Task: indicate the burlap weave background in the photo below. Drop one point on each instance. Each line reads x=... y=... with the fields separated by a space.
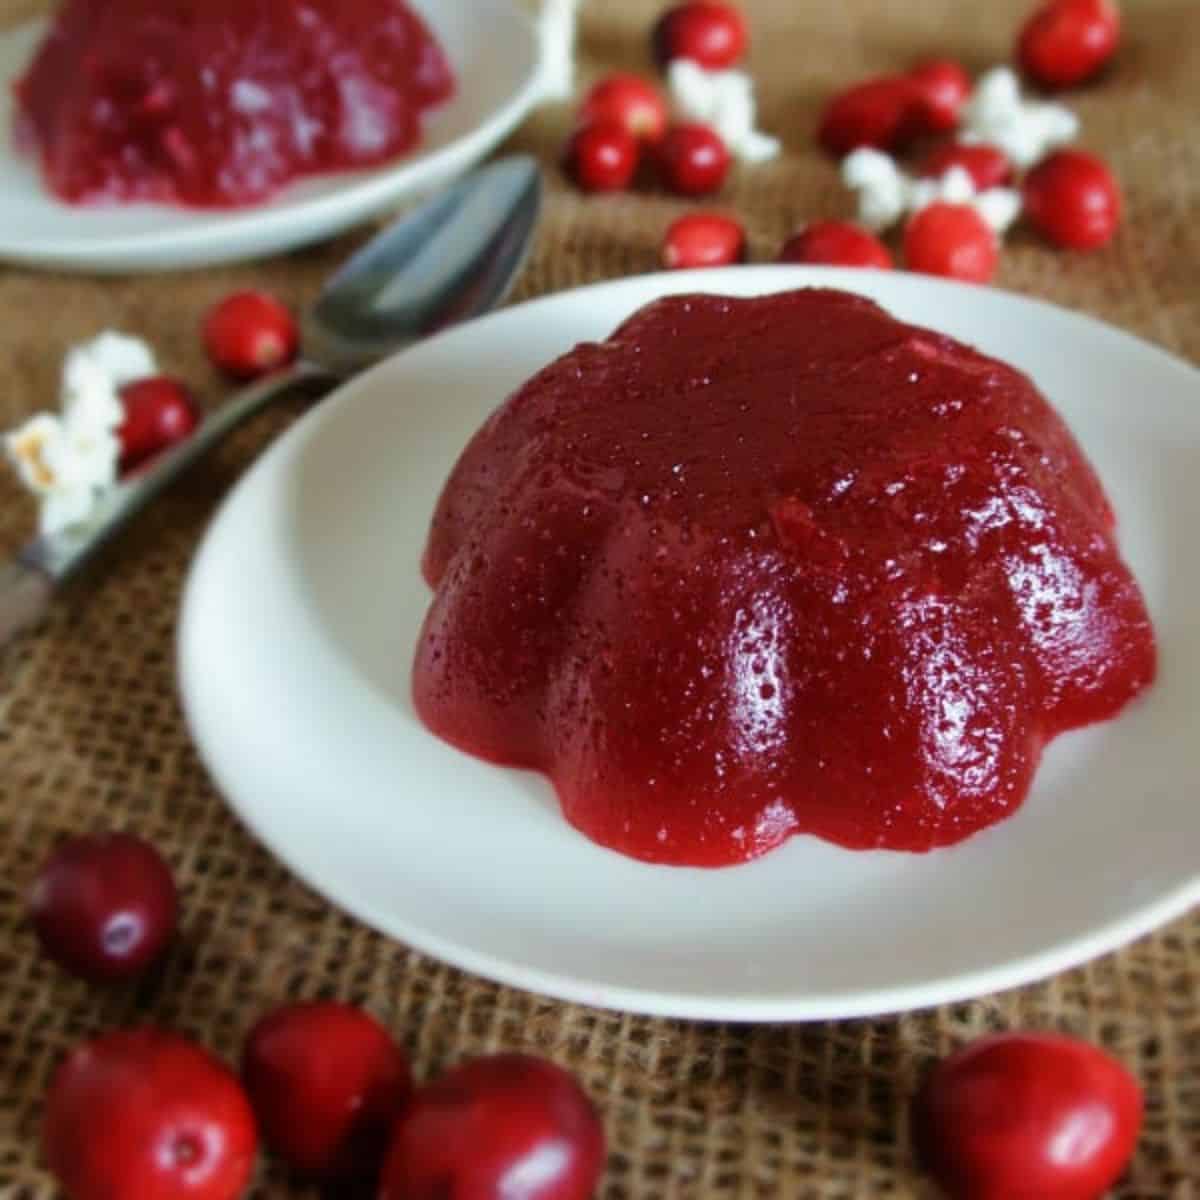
x=91 y=735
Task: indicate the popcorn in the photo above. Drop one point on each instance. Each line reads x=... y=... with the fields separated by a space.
x=556 y=31
x=1026 y=130
x=94 y=373
x=723 y=100
x=883 y=189
x=886 y=193
x=70 y=460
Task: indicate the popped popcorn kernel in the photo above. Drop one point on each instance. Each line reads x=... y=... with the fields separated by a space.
x=70 y=459
x=723 y=100
x=1026 y=130
x=886 y=193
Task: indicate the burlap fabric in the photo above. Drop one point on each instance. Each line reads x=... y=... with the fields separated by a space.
x=91 y=735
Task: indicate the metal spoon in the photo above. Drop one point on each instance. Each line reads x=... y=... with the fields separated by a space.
x=454 y=257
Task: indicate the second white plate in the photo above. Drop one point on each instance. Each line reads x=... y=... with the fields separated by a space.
x=296 y=643
x=493 y=49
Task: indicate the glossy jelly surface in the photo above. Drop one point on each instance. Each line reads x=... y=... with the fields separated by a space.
x=218 y=103
x=753 y=568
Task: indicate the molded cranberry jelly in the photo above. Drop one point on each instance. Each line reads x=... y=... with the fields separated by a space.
x=751 y=568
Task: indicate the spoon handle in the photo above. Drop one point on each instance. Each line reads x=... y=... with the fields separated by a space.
x=25 y=593
x=27 y=582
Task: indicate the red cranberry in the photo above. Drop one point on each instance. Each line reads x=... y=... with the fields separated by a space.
x=631 y=101
x=703 y=239
x=988 y=166
x=326 y=1082
x=943 y=86
x=711 y=34
x=693 y=160
x=489 y=1123
x=836 y=243
x=249 y=334
x=1068 y=41
x=1027 y=1114
x=148 y=1114
x=158 y=413
x=885 y=113
x=104 y=905
x=951 y=240
x=602 y=157
x=1072 y=198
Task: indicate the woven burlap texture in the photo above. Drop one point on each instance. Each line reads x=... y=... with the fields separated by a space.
x=91 y=734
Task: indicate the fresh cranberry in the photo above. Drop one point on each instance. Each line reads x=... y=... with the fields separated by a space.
x=507 y=1125
x=632 y=102
x=249 y=334
x=884 y=113
x=1027 y=1114
x=951 y=240
x=158 y=413
x=693 y=160
x=104 y=905
x=326 y=1082
x=1068 y=41
x=711 y=34
x=943 y=86
x=988 y=166
x=602 y=157
x=148 y=1114
x=703 y=239
x=1073 y=199
x=836 y=243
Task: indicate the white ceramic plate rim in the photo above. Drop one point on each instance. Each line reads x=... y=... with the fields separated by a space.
x=291 y=218
x=737 y=1005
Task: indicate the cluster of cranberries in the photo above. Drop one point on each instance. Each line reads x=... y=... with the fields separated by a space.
x=624 y=119
x=248 y=334
x=148 y=1113
x=1070 y=197
x=942 y=239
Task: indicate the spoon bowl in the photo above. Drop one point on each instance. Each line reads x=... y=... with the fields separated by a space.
x=450 y=259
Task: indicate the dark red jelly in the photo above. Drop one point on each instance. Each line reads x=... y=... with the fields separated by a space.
x=221 y=102
x=753 y=568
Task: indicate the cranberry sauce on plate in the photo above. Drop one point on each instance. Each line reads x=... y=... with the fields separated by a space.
x=753 y=568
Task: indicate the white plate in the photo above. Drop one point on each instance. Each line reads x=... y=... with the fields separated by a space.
x=494 y=52
x=298 y=628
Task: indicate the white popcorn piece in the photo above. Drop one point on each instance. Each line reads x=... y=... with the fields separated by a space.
x=125 y=358
x=999 y=207
x=882 y=188
x=93 y=375
x=1026 y=130
x=67 y=468
x=89 y=398
x=723 y=100
x=65 y=509
x=757 y=147
x=84 y=458
x=70 y=460
x=886 y=194
x=955 y=186
x=556 y=33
